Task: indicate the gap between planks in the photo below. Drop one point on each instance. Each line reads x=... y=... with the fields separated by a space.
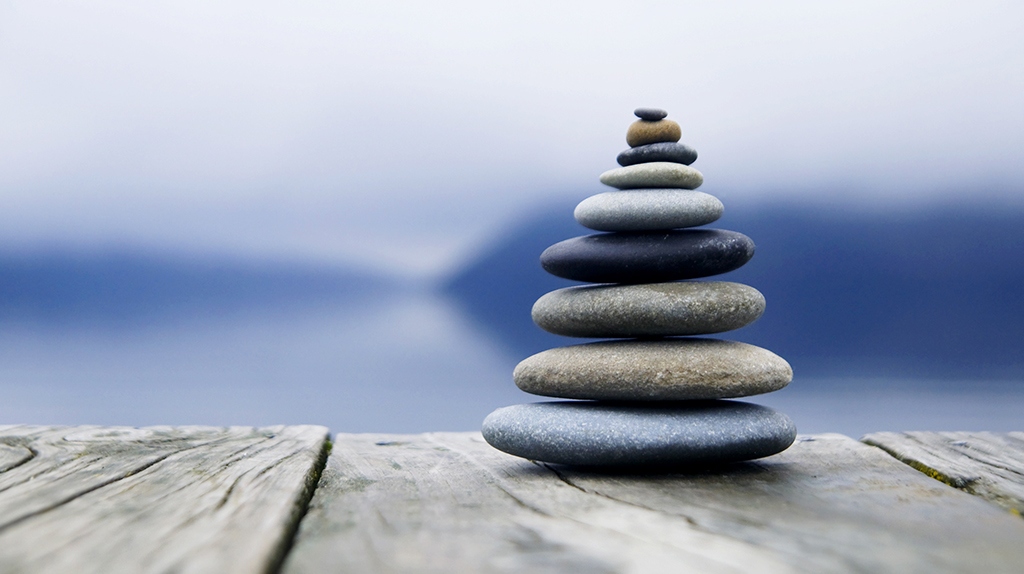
x=95 y=499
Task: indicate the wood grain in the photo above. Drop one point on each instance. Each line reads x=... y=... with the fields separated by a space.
x=989 y=465
x=448 y=502
x=157 y=499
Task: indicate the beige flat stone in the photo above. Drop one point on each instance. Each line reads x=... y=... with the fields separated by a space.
x=660 y=370
x=679 y=308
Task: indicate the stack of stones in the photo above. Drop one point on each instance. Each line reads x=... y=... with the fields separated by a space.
x=654 y=394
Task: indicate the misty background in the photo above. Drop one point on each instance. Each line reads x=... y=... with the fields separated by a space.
x=331 y=213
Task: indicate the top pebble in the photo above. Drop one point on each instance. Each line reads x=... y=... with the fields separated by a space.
x=650 y=114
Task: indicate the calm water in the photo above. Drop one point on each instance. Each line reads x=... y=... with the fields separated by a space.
x=407 y=361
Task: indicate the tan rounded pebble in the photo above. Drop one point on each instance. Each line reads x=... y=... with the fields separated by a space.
x=643 y=132
x=661 y=370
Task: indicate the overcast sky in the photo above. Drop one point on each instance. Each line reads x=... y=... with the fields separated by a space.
x=405 y=134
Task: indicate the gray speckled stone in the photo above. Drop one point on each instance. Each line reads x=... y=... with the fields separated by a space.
x=653 y=174
x=670 y=151
x=648 y=257
x=602 y=434
x=657 y=370
x=648 y=209
x=648 y=310
x=650 y=114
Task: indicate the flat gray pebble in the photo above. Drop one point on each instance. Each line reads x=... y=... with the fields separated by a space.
x=655 y=174
x=648 y=210
x=650 y=114
x=649 y=309
x=618 y=435
x=653 y=370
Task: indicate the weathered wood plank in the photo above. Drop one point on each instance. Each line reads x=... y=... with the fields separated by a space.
x=448 y=502
x=989 y=465
x=158 y=499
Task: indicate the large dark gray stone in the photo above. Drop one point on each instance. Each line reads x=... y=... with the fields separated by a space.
x=677 y=308
x=648 y=257
x=667 y=151
x=609 y=434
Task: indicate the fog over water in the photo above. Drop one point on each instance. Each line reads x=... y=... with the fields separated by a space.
x=254 y=212
x=401 y=135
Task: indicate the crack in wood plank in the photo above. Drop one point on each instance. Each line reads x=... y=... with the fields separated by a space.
x=567 y=480
x=988 y=465
x=69 y=462
x=448 y=502
x=185 y=499
x=58 y=502
x=13 y=456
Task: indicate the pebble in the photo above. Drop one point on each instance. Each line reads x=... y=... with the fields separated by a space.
x=648 y=257
x=648 y=210
x=616 y=435
x=643 y=132
x=674 y=152
x=650 y=114
x=680 y=369
x=653 y=174
x=648 y=310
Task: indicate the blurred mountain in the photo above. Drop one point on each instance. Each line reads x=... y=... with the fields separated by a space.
x=936 y=292
x=133 y=289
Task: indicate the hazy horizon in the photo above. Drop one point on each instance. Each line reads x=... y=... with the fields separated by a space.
x=403 y=136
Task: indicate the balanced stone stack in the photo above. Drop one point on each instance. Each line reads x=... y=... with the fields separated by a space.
x=655 y=394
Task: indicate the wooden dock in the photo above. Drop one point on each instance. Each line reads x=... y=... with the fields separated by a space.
x=285 y=499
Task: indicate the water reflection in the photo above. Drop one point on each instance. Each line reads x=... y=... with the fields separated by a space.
x=401 y=361
x=405 y=362
x=136 y=341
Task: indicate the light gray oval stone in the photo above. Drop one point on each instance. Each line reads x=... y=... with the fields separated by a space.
x=653 y=174
x=648 y=309
x=658 y=370
x=602 y=434
x=648 y=210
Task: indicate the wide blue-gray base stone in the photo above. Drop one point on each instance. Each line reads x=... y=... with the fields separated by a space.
x=591 y=433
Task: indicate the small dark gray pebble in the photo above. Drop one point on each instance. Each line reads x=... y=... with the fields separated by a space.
x=650 y=114
x=666 y=151
x=585 y=433
x=648 y=257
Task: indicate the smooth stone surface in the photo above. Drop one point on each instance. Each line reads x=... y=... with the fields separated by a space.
x=648 y=310
x=648 y=210
x=650 y=114
x=673 y=152
x=648 y=257
x=643 y=132
x=655 y=174
x=601 y=434
x=658 y=370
